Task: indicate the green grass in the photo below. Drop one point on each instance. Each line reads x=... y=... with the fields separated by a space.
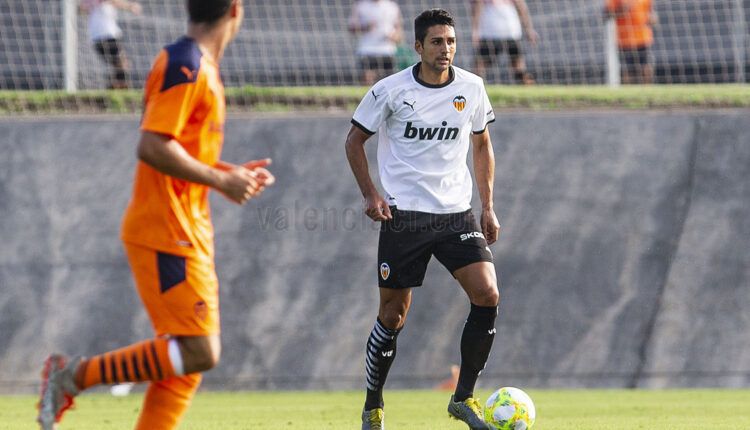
x=556 y=410
x=286 y=99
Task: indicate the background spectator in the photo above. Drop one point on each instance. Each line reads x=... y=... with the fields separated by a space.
x=106 y=35
x=498 y=26
x=380 y=26
x=635 y=37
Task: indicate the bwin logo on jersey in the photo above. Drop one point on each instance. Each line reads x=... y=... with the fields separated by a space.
x=430 y=133
x=467 y=236
x=459 y=102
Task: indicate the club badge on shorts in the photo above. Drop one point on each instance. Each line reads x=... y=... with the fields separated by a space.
x=201 y=310
x=385 y=271
x=459 y=102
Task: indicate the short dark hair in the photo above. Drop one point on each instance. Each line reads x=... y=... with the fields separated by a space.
x=427 y=19
x=207 y=11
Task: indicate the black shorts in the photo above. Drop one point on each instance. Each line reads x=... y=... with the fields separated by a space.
x=382 y=64
x=410 y=239
x=633 y=58
x=109 y=50
x=489 y=49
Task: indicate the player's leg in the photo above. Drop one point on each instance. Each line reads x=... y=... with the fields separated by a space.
x=381 y=344
x=368 y=66
x=181 y=296
x=518 y=63
x=627 y=66
x=167 y=400
x=483 y=56
x=480 y=283
x=464 y=252
x=645 y=66
x=403 y=254
x=120 y=65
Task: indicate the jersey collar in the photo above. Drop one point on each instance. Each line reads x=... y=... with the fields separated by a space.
x=415 y=73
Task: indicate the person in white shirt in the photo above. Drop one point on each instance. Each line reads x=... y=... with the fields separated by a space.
x=497 y=26
x=380 y=26
x=427 y=118
x=106 y=35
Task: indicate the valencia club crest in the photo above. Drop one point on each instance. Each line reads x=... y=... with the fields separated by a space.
x=459 y=102
x=385 y=271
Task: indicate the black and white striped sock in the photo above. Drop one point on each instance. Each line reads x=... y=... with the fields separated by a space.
x=379 y=354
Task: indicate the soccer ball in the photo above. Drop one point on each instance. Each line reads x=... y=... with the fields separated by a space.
x=509 y=409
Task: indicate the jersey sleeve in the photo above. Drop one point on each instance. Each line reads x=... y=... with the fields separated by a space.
x=483 y=114
x=372 y=110
x=168 y=106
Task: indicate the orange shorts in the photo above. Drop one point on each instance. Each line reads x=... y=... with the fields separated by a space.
x=181 y=294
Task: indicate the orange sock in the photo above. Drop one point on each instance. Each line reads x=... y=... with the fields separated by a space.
x=139 y=362
x=166 y=402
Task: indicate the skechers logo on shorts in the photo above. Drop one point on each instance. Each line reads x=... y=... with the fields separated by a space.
x=430 y=133
x=476 y=234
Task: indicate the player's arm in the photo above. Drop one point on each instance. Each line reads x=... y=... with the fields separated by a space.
x=397 y=34
x=484 y=172
x=375 y=205
x=257 y=166
x=126 y=5
x=616 y=8
x=166 y=155
x=528 y=26
x=476 y=12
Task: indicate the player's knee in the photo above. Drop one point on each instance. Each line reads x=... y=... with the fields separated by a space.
x=393 y=318
x=200 y=354
x=488 y=296
x=206 y=359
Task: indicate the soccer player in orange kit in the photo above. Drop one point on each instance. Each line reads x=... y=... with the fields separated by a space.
x=167 y=229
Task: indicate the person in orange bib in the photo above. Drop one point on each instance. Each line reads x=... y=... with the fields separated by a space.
x=635 y=36
x=167 y=229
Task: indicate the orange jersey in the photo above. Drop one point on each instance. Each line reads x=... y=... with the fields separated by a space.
x=634 y=23
x=184 y=99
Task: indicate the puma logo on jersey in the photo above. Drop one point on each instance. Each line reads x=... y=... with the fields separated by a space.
x=430 y=133
x=188 y=73
x=467 y=236
x=387 y=353
x=411 y=105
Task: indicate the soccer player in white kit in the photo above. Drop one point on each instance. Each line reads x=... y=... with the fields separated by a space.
x=427 y=117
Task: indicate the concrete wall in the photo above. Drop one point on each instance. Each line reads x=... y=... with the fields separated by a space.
x=623 y=257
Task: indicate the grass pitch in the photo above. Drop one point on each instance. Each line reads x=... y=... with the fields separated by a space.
x=407 y=410
x=346 y=99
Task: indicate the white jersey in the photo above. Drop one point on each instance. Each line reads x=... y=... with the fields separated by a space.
x=499 y=20
x=423 y=137
x=385 y=18
x=103 y=22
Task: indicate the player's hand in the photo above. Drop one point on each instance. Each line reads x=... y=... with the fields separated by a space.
x=490 y=226
x=533 y=37
x=240 y=184
x=136 y=8
x=377 y=208
x=259 y=167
